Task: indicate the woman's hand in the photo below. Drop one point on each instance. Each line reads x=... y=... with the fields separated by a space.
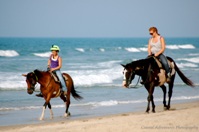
x=52 y=69
x=156 y=55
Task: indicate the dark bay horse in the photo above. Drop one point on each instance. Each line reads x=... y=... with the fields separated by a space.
x=50 y=89
x=153 y=75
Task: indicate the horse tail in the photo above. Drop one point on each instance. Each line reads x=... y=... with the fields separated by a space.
x=183 y=77
x=75 y=93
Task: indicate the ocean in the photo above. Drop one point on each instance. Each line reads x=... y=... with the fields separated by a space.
x=94 y=65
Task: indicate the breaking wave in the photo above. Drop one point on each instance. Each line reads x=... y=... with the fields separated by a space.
x=185 y=46
x=80 y=49
x=193 y=60
x=101 y=74
x=8 y=53
x=132 y=49
x=45 y=54
x=183 y=65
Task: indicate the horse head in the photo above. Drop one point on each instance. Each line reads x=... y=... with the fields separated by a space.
x=128 y=74
x=31 y=80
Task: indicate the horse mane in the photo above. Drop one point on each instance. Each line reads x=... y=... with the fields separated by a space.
x=38 y=73
x=141 y=62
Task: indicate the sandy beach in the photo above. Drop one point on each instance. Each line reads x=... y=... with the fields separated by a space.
x=181 y=117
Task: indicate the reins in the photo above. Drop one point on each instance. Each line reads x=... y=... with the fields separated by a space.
x=148 y=75
x=136 y=86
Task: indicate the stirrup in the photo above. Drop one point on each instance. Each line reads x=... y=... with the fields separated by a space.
x=142 y=82
x=63 y=92
x=39 y=95
x=168 y=80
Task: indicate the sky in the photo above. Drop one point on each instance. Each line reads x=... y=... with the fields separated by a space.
x=98 y=18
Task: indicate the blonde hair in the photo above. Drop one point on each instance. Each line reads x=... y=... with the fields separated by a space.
x=154 y=29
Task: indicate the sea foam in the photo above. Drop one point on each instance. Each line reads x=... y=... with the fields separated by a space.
x=184 y=46
x=80 y=49
x=102 y=49
x=95 y=77
x=8 y=53
x=183 y=65
x=193 y=60
x=132 y=49
x=45 y=54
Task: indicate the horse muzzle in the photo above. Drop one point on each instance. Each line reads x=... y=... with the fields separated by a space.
x=125 y=84
x=30 y=90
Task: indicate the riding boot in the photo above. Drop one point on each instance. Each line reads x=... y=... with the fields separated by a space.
x=65 y=93
x=142 y=82
x=39 y=95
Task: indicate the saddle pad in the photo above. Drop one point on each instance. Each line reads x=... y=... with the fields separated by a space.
x=56 y=78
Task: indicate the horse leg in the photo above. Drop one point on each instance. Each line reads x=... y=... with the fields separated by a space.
x=150 y=98
x=47 y=101
x=51 y=112
x=164 y=89
x=148 y=105
x=170 y=91
x=67 y=113
x=153 y=104
x=43 y=111
x=66 y=103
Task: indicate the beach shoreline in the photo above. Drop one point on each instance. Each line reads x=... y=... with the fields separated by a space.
x=181 y=117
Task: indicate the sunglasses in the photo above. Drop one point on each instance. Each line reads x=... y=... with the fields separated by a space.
x=151 y=33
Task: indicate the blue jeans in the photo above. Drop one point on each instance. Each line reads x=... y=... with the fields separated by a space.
x=164 y=63
x=61 y=79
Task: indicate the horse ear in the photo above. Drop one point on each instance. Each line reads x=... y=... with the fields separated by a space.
x=123 y=65
x=25 y=75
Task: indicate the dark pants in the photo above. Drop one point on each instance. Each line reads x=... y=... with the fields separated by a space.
x=164 y=61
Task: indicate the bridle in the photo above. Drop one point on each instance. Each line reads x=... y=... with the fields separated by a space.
x=131 y=77
x=32 y=84
x=32 y=87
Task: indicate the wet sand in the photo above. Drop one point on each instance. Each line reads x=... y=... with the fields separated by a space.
x=180 y=118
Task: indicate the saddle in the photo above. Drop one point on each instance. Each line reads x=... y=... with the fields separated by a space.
x=53 y=74
x=160 y=64
x=163 y=71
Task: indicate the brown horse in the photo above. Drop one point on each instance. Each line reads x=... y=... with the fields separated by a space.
x=153 y=75
x=50 y=89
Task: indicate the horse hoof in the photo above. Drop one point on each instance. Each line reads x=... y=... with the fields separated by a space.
x=166 y=108
x=147 y=111
x=67 y=114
